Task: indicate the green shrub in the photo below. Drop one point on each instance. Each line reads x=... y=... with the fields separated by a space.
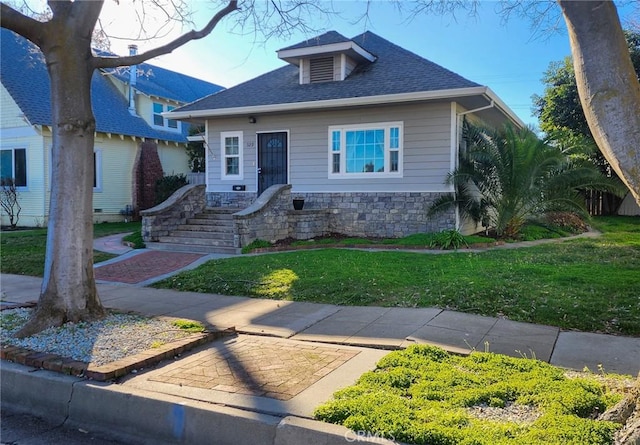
x=135 y=239
x=167 y=185
x=188 y=325
x=449 y=239
x=256 y=244
x=424 y=395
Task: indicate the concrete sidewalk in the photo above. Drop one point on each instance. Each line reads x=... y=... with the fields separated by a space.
x=261 y=385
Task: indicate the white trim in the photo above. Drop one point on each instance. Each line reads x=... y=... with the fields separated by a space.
x=223 y=156
x=206 y=156
x=13 y=148
x=288 y=166
x=299 y=53
x=386 y=126
x=165 y=117
x=332 y=103
x=356 y=101
x=98 y=166
x=18 y=132
x=455 y=145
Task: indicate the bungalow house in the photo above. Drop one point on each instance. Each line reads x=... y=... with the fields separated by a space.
x=361 y=129
x=128 y=106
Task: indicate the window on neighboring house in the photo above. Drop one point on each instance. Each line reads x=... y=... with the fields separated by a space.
x=171 y=123
x=365 y=150
x=231 y=144
x=159 y=120
x=97 y=170
x=13 y=165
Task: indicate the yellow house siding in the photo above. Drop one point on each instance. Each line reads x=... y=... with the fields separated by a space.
x=173 y=158
x=15 y=132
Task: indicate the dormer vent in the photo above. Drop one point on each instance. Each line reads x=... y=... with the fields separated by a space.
x=321 y=69
x=328 y=58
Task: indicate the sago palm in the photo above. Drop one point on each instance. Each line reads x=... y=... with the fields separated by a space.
x=508 y=175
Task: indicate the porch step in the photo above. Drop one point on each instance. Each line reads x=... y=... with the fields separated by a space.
x=208 y=232
x=193 y=248
x=199 y=228
x=211 y=242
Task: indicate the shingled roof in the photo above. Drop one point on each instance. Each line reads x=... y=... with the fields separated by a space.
x=24 y=75
x=395 y=71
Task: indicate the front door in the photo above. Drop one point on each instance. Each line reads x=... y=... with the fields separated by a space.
x=272 y=160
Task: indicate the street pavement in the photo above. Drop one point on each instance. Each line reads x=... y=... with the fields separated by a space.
x=284 y=359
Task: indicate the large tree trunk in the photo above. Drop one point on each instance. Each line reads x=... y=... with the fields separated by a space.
x=68 y=289
x=607 y=84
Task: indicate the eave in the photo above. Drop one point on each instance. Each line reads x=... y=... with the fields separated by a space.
x=472 y=97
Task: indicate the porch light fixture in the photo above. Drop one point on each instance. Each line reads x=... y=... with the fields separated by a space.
x=252 y=120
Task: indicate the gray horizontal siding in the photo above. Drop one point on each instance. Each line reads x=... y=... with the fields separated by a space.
x=426 y=148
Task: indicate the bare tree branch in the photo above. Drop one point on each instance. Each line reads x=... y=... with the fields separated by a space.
x=112 y=62
x=86 y=15
x=20 y=23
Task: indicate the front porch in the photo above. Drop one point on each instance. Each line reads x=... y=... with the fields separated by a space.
x=192 y=220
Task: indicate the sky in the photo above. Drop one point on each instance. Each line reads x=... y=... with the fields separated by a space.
x=509 y=57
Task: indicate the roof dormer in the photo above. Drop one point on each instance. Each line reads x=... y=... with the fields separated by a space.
x=327 y=58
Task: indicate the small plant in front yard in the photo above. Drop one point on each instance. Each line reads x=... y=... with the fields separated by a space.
x=424 y=395
x=188 y=325
x=135 y=240
x=449 y=239
x=256 y=244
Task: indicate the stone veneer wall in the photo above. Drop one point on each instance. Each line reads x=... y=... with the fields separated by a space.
x=380 y=214
x=370 y=214
x=266 y=219
x=185 y=203
x=231 y=199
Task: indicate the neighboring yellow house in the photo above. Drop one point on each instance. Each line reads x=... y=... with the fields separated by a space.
x=127 y=110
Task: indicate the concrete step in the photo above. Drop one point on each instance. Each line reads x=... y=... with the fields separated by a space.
x=198 y=228
x=221 y=210
x=196 y=241
x=209 y=222
x=203 y=235
x=171 y=247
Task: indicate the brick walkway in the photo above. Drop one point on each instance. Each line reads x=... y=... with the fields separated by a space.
x=145 y=266
x=258 y=366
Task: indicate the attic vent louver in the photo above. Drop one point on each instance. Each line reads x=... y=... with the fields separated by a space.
x=321 y=69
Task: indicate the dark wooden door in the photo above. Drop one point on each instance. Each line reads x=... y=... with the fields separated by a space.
x=272 y=160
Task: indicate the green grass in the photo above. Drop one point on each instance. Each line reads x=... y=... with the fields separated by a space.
x=585 y=284
x=22 y=252
x=424 y=240
x=424 y=395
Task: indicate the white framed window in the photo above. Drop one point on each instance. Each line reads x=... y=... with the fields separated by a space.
x=160 y=121
x=13 y=165
x=97 y=170
x=366 y=150
x=231 y=155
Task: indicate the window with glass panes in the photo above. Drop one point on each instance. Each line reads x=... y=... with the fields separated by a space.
x=365 y=150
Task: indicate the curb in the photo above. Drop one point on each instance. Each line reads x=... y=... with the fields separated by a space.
x=153 y=418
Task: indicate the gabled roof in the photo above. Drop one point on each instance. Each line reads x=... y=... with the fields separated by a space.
x=24 y=75
x=395 y=71
x=160 y=82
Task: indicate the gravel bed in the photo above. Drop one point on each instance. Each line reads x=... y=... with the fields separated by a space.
x=512 y=412
x=100 y=342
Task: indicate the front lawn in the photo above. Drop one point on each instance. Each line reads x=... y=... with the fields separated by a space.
x=585 y=284
x=424 y=395
x=22 y=252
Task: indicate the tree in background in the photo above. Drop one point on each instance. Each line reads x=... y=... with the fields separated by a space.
x=561 y=116
x=611 y=103
x=507 y=176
